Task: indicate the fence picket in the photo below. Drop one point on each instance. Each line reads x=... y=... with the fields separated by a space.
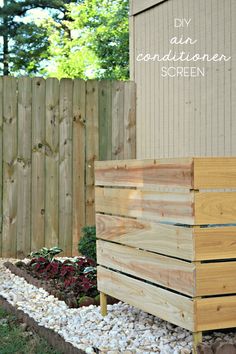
x=65 y=166
x=38 y=163
x=51 y=133
x=9 y=167
x=24 y=167
x=1 y=127
x=92 y=147
x=78 y=161
x=51 y=162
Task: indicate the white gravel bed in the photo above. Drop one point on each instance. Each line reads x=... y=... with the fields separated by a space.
x=124 y=330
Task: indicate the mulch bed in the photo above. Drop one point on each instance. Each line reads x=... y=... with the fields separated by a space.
x=49 y=286
x=217 y=348
x=53 y=338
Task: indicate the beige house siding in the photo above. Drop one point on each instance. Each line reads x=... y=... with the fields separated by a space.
x=178 y=116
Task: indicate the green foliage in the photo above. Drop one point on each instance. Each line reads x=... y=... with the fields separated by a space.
x=47 y=253
x=87 y=244
x=25 y=40
x=93 y=44
x=13 y=339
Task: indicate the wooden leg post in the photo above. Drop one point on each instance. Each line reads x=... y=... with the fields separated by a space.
x=197 y=338
x=103 y=303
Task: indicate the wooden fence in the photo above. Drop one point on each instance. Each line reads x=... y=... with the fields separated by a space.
x=50 y=134
x=170 y=253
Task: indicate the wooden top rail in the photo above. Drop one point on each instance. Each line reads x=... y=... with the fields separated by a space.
x=191 y=173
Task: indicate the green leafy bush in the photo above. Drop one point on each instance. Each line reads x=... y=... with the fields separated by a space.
x=48 y=253
x=87 y=244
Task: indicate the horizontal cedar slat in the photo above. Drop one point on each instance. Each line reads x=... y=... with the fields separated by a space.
x=169 y=272
x=148 y=205
x=215 y=172
x=215 y=278
x=143 y=173
x=215 y=243
x=169 y=306
x=171 y=240
x=215 y=313
x=215 y=207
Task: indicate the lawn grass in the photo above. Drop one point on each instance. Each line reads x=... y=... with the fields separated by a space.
x=14 y=339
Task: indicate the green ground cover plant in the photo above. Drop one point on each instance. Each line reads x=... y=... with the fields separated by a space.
x=15 y=339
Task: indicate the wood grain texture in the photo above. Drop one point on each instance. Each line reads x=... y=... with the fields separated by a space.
x=1 y=160
x=118 y=120
x=51 y=163
x=105 y=119
x=92 y=147
x=168 y=272
x=215 y=172
x=38 y=164
x=24 y=167
x=215 y=207
x=215 y=243
x=79 y=122
x=9 y=226
x=65 y=165
x=156 y=301
x=216 y=278
x=141 y=173
x=215 y=313
x=165 y=239
x=129 y=120
x=148 y=205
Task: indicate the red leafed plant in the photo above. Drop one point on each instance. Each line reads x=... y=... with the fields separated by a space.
x=77 y=277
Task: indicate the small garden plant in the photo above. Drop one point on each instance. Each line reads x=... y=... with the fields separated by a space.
x=71 y=280
x=87 y=244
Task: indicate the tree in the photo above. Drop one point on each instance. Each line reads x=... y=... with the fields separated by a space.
x=99 y=42
x=25 y=43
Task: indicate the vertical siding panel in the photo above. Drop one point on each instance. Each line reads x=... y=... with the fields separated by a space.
x=221 y=82
x=38 y=164
x=187 y=102
x=214 y=73
x=228 y=74
x=161 y=93
x=156 y=74
x=209 y=79
x=51 y=163
x=181 y=136
x=65 y=166
x=78 y=162
x=165 y=84
x=148 y=79
x=197 y=83
x=190 y=117
x=152 y=84
x=233 y=75
x=1 y=152
x=203 y=83
x=92 y=147
x=9 y=241
x=176 y=85
x=171 y=83
x=138 y=79
x=24 y=167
